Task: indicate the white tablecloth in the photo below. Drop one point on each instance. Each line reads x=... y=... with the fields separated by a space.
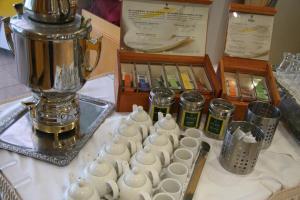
x=277 y=168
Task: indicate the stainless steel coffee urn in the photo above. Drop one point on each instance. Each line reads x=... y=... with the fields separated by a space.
x=52 y=45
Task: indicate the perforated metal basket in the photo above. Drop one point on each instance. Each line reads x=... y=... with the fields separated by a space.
x=265 y=116
x=238 y=156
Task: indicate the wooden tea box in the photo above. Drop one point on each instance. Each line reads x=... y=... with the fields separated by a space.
x=246 y=58
x=163 y=43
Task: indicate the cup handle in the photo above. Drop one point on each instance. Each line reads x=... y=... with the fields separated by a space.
x=166 y=158
x=114 y=188
x=174 y=140
x=154 y=176
x=119 y=167
x=145 y=196
x=132 y=146
x=139 y=146
x=144 y=130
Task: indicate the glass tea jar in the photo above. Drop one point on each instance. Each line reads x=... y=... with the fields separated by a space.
x=160 y=100
x=219 y=116
x=191 y=105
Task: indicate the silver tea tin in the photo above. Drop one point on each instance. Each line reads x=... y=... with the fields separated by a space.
x=190 y=111
x=219 y=116
x=160 y=100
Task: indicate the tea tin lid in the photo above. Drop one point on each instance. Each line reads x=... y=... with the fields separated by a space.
x=222 y=106
x=192 y=99
x=162 y=96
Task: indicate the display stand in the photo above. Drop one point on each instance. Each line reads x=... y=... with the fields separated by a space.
x=163 y=33
x=247 y=51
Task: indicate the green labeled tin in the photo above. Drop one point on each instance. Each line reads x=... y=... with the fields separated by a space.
x=161 y=100
x=190 y=111
x=219 y=115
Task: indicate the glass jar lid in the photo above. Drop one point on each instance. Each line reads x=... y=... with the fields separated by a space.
x=192 y=100
x=221 y=107
x=162 y=96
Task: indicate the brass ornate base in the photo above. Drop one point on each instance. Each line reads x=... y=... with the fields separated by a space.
x=56 y=130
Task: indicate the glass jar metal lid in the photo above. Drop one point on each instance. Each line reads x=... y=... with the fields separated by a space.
x=162 y=96
x=192 y=100
x=221 y=107
x=78 y=28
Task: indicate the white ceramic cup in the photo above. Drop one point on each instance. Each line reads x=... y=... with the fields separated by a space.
x=177 y=171
x=194 y=133
x=172 y=187
x=191 y=144
x=184 y=156
x=163 y=196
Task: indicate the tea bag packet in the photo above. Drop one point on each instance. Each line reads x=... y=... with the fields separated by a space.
x=143 y=77
x=245 y=137
x=249 y=138
x=173 y=77
x=202 y=82
x=157 y=75
x=261 y=88
x=231 y=83
x=128 y=77
x=246 y=87
x=187 y=77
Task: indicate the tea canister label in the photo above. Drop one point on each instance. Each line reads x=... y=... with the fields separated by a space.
x=156 y=109
x=190 y=119
x=214 y=125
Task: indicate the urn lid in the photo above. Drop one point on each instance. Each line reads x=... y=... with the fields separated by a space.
x=79 y=28
x=54 y=11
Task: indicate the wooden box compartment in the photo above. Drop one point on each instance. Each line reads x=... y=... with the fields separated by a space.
x=125 y=99
x=247 y=66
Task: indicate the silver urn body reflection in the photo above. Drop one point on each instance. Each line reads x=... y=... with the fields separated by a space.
x=53 y=60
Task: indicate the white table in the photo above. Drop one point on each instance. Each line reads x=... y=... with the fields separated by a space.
x=277 y=168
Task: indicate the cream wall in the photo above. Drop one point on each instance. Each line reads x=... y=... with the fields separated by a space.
x=286 y=34
x=217 y=25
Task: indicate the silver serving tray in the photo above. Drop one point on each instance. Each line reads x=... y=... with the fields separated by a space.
x=16 y=132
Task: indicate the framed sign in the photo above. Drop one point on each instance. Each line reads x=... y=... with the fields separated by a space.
x=249 y=35
x=165 y=27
